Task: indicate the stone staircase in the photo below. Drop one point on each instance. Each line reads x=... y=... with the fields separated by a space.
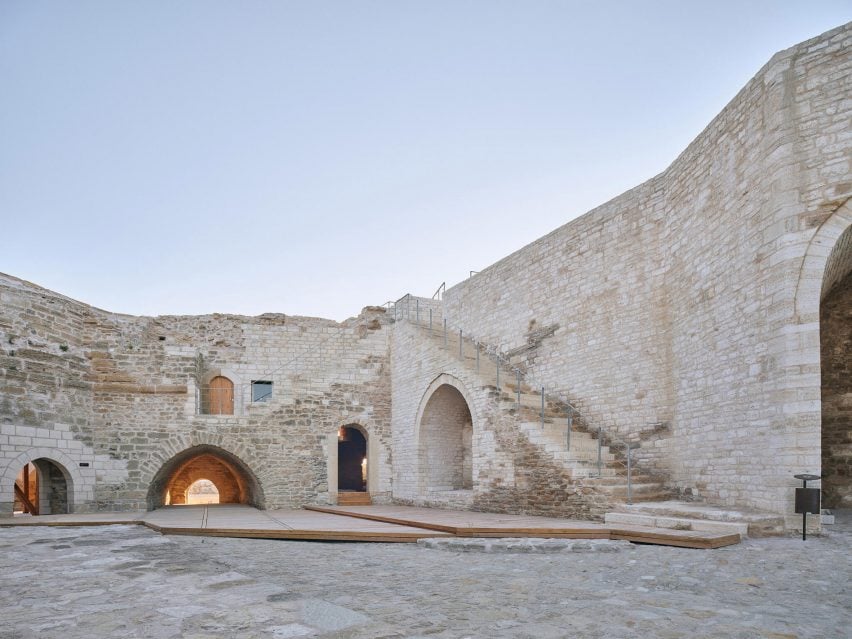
x=546 y=427
x=698 y=516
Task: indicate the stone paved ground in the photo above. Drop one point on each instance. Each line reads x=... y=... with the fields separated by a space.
x=126 y=581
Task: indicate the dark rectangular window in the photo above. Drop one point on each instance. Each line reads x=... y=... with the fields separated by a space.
x=261 y=391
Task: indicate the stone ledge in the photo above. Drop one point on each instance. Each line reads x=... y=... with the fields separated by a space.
x=525 y=545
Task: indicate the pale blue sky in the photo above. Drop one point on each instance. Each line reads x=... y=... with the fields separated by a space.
x=315 y=157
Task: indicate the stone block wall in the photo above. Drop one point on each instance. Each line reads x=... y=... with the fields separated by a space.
x=676 y=302
x=120 y=394
x=508 y=473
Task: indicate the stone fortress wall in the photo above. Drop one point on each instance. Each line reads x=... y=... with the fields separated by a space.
x=683 y=316
x=121 y=395
x=683 y=300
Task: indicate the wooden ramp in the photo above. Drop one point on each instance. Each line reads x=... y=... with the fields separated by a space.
x=372 y=523
x=235 y=520
x=475 y=524
x=81 y=519
x=232 y=520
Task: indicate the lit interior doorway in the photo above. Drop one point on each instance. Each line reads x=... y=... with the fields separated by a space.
x=351 y=460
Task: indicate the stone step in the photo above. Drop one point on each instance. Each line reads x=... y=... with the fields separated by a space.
x=579 y=471
x=557 y=445
x=354 y=499
x=760 y=524
x=678 y=523
x=639 y=492
x=620 y=479
x=558 y=429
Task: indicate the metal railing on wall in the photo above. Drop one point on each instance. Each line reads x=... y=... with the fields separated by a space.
x=420 y=312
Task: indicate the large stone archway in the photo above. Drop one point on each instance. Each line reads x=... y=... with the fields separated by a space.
x=836 y=374
x=445 y=438
x=235 y=482
x=819 y=355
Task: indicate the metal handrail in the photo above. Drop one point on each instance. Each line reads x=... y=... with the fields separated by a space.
x=500 y=359
x=441 y=289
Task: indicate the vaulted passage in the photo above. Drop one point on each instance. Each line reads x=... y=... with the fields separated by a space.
x=836 y=371
x=446 y=432
x=42 y=488
x=177 y=482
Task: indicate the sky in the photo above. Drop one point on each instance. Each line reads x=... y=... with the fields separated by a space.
x=313 y=158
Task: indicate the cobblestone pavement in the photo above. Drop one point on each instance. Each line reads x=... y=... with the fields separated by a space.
x=128 y=581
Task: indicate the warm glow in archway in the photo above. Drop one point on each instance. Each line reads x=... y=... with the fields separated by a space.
x=234 y=482
x=202 y=491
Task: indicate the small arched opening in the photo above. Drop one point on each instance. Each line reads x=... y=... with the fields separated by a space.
x=42 y=487
x=202 y=491
x=836 y=374
x=351 y=460
x=445 y=441
x=231 y=478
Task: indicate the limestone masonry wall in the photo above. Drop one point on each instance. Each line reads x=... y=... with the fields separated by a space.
x=677 y=301
x=121 y=394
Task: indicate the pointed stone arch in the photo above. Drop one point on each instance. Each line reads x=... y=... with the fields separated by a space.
x=444 y=432
x=823 y=309
x=237 y=482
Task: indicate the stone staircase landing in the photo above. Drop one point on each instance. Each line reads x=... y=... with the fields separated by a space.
x=677 y=515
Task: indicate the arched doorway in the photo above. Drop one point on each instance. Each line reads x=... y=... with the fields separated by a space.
x=836 y=374
x=233 y=480
x=42 y=487
x=445 y=441
x=351 y=460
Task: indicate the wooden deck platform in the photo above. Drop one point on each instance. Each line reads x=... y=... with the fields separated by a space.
x=475 y=524
x=376 y=523
x=235 y=520
x=231 y=520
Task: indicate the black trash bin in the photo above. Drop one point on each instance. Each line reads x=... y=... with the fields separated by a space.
x=807 y=501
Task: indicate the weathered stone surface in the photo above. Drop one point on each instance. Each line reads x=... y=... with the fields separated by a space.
x=120 y=581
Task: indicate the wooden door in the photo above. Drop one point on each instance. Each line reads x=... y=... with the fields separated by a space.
x=221 y=396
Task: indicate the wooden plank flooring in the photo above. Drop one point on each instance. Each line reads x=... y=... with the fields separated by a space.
x=81 y=519
x=231 y=520
x=376 y=523
x=235 y=520
x=475 y=524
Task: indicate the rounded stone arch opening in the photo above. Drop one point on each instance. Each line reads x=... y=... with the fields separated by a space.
x=60 y=484
x=445 y=436
x=823 y=307
x=234 y=480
